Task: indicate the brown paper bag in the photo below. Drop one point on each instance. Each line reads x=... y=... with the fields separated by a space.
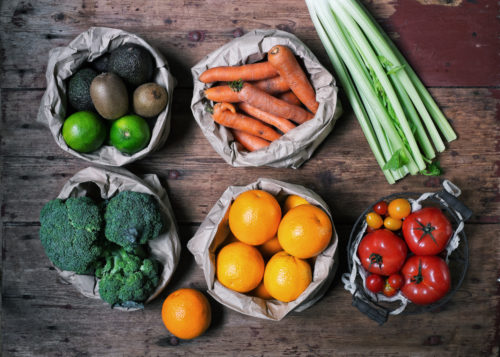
x=165 y=249
x=295 y=147
x=65 y=61
x=207 y=239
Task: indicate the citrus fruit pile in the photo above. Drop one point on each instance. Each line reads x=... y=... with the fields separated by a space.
x=267 y=249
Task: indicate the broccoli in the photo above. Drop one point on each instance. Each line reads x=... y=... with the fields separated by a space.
x=70 y=233
x=132 y=218
x=127 y=277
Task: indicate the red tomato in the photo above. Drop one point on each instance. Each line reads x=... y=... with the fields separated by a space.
x=427 y=279
x=382 y=252
x=374 y=283
x=395 y=281
x=427 y=231
x=388 y=289
x=380 y=208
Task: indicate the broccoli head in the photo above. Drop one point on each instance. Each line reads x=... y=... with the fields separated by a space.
x=132 y=218
x=127 y=277
x=70 y=233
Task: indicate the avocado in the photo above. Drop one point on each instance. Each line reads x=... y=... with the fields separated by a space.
x=149 y=100
x=133 y=63
x=79 y=89
x=109 y=95
x=100 y=64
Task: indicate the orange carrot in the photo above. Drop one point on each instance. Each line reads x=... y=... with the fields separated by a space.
x=248 y=72
x=222 y=94
x=291 y=98
x=249 y=141
x=281 y=123
x=283 y=59
x=225 y=114
x=273 y=85
x=266 y=102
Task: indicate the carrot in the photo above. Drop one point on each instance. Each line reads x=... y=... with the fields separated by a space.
x=283 y=59
x=263 y=101
x=249 y=141
x=225 y=114
x=281 y=123
x=248 y=72
x=291 y=98
x=273 y=85
x=222 y=94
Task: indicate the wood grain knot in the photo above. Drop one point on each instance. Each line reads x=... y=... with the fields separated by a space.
x=196 y=36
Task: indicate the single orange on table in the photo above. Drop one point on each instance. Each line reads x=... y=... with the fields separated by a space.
x=254 y=217
x=293 y=201
x=305 y=231
x=270 y=248
x=286 y=277
x=186 y=313
x=240 y=267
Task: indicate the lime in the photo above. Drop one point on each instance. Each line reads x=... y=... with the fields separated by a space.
x=84 y=131
x=129 y=134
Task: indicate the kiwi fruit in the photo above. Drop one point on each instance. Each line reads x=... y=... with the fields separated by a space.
x=109 y=95
x=149 y=100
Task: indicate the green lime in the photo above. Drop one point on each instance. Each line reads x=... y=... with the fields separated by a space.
x=84 y=131
x=129 y=134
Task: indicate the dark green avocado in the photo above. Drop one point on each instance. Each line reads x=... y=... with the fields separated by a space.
x=133 y=63
x=79 y=89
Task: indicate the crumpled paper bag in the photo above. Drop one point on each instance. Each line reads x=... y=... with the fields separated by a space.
x=295 y=147
x=65 y=61
x=165 y=249
x=209 y=237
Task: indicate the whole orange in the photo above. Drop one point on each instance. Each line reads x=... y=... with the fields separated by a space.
x=261 y=291
x=240 y=267
x=186 y=313
x=270 y=248
x=305 y=231
x=254 y=217
x=293 y=201
x=286 y=277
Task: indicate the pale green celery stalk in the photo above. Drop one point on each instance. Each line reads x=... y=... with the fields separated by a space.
x=382 y=47
x=362 y=82
x=429 y=102
x=365 y=48
x=350 y=91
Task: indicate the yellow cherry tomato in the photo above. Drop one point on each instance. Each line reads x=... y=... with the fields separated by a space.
x=399 y=208
x=374 y=220
x=392 y=224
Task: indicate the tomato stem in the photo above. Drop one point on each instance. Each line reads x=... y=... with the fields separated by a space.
x=376 y=259
x=417 y=279
x=426 y=230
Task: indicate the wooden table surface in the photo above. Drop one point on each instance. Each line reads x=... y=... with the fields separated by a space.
x=453 y=45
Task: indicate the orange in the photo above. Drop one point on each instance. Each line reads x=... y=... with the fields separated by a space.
x=286 y=277
x=270 y=248
x=293 y=201
x=223 y=231
x=240 y=267
x=261 y=292
x=305 y=231
x=186 y=313
x=254 y=217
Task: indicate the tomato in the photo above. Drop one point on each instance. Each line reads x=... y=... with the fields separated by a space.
x=392 y=224
x=382 y=252
x=395 y=281
x=427 y=279
x=374 y=220
x=374 y=283
x=380 y=208
x=427 y=231
x=388 y=290
x=399 y=208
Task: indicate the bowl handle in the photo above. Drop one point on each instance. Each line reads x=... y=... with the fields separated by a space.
x=374 y=312
x=455 y=204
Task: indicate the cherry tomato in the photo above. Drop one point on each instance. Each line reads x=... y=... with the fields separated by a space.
x=388 y=290
x=392 y=224
x=399 y=208
x=382 y=252
x=426 y=279
x=427 y=231
x=374 y=283
x=395 y=281
x=374 y=220
x=380 y=208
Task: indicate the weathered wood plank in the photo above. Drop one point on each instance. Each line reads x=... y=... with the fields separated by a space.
x=440 y=41
x=197 y=176
x=43 y=316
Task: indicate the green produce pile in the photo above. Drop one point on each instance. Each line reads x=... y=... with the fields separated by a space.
x=396 y=112
x=99 y=91
x=107 y=239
